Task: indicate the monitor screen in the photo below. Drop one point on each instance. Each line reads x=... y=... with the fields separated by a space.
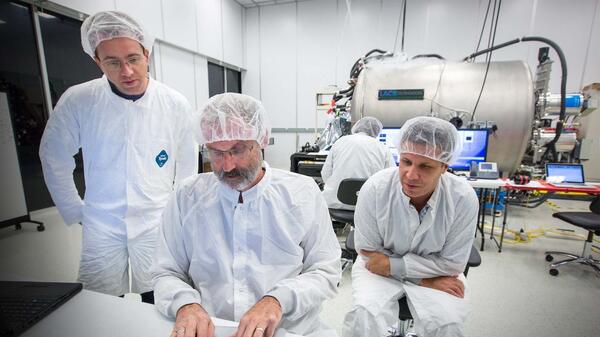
x=388 y=137
x=475 y=143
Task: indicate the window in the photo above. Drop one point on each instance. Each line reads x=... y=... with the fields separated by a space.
x=234 y=82
x=21 y=79
x=216 y=79
x=221 y=79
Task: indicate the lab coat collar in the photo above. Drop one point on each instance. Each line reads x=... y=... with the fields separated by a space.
x=433 y=199
x=144 y=101
x=232 y=195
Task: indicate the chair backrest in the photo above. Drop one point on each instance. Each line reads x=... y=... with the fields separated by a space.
x=348 y=190
x=595 y=205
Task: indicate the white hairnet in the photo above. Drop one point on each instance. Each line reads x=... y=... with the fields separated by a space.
x=110 y=25
x=369 y=125
x=232 y=116
x=430 y=137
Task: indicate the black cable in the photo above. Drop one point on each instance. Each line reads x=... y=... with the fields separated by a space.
x=403 y=25
x=489 y=41
x=550 y=146
x=502 y=45
x=489 y=56
x=487 y=11
x=355 y=67
x=428 y=55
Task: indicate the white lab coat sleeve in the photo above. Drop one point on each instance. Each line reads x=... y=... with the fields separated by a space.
x=366 y=234
x=172 y=284
x=453 y=257
x=60 y=142
x=321 y=271
x=327 y=169
x=187 y=149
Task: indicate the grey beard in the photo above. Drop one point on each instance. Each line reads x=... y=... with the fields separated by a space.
x=247 y=174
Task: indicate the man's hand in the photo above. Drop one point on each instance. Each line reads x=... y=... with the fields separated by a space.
x=193 y=321
x=450 y=284
x=378 y=263
x=261 y=320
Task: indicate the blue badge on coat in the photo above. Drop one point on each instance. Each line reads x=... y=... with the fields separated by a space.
x=162 y=158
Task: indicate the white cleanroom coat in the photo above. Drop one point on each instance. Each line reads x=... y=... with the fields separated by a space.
x=133 y=154
x=227 y=255
x=434 y=243
x=352 y=156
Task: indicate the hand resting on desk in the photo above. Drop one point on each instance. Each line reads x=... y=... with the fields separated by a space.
x=193 y=321
x=261 y=320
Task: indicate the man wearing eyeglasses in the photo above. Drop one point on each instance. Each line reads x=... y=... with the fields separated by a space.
x=137 y=142
x=247 y=242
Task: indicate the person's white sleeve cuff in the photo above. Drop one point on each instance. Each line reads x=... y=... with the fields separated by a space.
x=398 y=271
x=285 y=298
x=397 y=268
x=183 y=297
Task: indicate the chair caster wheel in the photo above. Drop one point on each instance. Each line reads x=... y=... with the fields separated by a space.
x=549 y=258
x=554 y=272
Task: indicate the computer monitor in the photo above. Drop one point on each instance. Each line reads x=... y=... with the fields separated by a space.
x=388 y=137
x=475 y=144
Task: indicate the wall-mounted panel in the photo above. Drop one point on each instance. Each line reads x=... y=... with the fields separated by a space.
x=278 y=154
x=591 y=72
x=178 y=71
x=251 y=78
x=179 y=20
x=201 y=79
x=149 y=15
x=570 y=35
x=316 y=55
x=210 y=32
x=232 y=33
x=278 y=51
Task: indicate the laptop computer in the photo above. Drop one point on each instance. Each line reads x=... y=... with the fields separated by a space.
x=566 y=175
x=22 y=304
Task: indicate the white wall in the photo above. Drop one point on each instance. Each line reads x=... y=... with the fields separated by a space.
x=187 y=32
x=292 y=50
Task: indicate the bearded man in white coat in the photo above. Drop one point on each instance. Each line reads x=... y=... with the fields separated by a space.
x=135 y=135
x=359 y=155
x=414 y=230
x=248 y=242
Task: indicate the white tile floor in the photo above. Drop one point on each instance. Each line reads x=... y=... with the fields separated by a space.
x=513 y=294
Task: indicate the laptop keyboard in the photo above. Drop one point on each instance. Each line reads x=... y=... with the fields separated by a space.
x=18 y=313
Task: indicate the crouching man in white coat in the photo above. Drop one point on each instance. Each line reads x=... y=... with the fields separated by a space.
x=414 y=230
x=247 y=242
x=135 y=135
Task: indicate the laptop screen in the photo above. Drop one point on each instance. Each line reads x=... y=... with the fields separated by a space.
x=570 y=173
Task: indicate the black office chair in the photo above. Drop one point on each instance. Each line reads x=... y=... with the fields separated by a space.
x=404 y=314
x=347 y=194
x=587 y=220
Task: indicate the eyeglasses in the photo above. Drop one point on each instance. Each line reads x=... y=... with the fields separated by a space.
x=113 y=64
x=237 y=152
